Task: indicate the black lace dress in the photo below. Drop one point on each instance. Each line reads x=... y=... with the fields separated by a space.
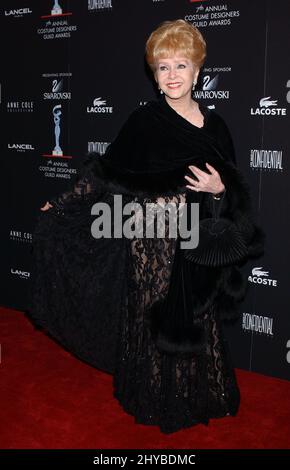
x=172 y=392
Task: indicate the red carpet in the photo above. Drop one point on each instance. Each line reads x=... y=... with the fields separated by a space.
x=49 y=399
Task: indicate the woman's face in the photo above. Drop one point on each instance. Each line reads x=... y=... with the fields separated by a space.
x=175 y=76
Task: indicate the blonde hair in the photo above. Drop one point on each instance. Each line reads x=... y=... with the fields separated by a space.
x=173 y=37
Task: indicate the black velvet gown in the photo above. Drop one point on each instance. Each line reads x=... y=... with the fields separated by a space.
x=93 y=296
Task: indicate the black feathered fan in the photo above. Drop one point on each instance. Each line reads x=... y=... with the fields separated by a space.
x=220 y=244
x=220 y=241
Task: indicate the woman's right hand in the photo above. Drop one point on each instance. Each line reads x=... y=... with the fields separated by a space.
x=46 y=207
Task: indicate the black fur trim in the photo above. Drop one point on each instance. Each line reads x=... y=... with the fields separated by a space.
x=178 y=338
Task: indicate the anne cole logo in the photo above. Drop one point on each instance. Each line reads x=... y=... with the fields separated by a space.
x=267 y=107
x=20 y=236
x=260 y=276
x=257 y=324
x=266 y=159
x=100 y=107
x=20 y=106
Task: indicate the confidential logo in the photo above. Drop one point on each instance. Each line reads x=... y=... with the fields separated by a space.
x=98 y=147
x=266 y=159
x=259 y=276
x=99 y=5
x=258 y=324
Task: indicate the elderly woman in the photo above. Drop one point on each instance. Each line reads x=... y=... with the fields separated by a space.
x=144 y=308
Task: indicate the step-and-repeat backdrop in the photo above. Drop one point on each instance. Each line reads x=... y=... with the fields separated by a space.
x=72 y=71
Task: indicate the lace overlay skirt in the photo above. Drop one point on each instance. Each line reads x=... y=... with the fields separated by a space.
x=173 y=392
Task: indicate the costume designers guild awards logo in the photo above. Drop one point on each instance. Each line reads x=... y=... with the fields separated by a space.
x=205 y=15
x=56 y=118
x=56 y=10
x=57 y=23
x=57 y=151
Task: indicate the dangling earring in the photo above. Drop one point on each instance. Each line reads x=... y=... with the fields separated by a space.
x=193 y=85
x=161 y=91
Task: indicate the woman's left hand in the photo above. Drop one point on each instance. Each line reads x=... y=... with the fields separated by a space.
x=210 y=183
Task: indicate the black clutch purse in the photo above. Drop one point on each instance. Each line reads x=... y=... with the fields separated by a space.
x=220 y=241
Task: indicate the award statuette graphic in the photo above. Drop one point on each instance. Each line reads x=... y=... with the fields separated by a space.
x=56 y=10
x=56 y=116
